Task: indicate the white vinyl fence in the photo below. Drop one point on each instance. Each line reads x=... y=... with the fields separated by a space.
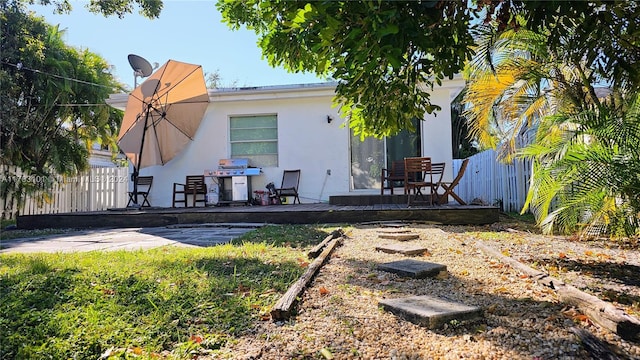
x=97 y=189
x=493 y=182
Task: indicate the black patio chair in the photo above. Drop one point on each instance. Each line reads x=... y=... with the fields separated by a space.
x=143 y=187
x=289 y=186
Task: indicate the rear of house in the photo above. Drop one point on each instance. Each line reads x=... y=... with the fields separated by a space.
x=287 y=127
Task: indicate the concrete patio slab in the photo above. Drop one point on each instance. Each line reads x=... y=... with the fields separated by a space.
x=430 y=312
x=126 y=239
x=413 y=268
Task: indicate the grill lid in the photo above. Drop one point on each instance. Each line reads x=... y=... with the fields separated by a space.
x=237 y=163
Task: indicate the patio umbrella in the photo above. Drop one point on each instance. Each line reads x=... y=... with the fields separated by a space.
x=163 y=115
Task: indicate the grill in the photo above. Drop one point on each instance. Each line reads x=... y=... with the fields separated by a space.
x=235 y=167
x=232 y=178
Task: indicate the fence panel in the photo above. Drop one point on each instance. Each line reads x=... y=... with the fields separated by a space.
x=97 y=189
x=493 y=182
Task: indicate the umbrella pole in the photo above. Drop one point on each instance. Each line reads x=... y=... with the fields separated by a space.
x=134 y=178
x=136 y=169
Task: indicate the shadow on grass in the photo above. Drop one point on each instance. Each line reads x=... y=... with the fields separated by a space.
x=179 y=300
x=28 y=302
x=296 y=236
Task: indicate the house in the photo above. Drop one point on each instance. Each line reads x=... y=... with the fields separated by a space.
x=101 y=157
x=297 y=127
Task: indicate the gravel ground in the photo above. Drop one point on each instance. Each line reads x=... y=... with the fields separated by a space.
x=338 y=316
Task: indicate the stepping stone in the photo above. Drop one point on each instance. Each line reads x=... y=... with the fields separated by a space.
x=392 y=225
x=430 y=312
x=393 y=231
x=399 y=237
x=413 y=268
x=405 y=249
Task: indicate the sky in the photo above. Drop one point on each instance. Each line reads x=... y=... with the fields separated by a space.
x=187 y=31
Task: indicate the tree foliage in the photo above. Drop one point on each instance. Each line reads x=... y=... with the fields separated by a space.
x=385 y=55
x=119 y=8
x=587 y=169
x=534 y=73
x=508 y=87
x=52 y=102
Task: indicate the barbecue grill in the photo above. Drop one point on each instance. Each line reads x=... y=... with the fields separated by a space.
x=235 y=167
x=232 y=178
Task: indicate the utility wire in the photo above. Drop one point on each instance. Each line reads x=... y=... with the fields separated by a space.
x=81 y=105
x=20 y=66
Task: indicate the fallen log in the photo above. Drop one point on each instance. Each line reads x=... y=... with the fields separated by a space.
x=282 y=309
x=601 y=312
x=598 y=349
x=313 y=253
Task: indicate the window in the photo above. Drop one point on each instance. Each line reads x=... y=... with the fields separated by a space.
x=255 y=138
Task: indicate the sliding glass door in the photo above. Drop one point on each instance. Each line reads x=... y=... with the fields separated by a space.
x=405 y=144
x=370 y=156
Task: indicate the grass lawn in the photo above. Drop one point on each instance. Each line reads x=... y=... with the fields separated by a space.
x=161 y=303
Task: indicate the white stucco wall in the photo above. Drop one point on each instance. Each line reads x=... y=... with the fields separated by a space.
x=436 y=133
x=306 y=140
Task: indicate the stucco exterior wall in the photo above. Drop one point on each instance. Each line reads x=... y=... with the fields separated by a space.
x=306 y=140
x=436 y=133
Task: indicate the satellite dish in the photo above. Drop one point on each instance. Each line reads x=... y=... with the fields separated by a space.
x=140 y=65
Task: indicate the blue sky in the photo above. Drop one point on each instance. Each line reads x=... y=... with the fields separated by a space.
x=187 y=31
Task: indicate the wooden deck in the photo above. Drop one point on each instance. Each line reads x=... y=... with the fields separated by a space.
x=273 y=214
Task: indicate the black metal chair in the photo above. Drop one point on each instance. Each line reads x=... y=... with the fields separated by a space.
x=143 y=187
x=289 y=186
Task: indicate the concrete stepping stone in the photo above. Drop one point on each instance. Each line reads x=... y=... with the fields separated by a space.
x=413 y=268
x=400 y=236
x=430 y=312
x=393 y=225
x=405 y=249
x=393 y=231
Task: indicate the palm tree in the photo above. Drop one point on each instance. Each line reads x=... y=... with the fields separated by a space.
x=508 y=87
x=585 y=149
x=587 y=167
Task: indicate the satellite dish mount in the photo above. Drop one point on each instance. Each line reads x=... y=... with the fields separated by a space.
x=141 y=68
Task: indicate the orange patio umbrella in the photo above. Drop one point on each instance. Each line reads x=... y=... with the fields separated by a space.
x=163 y=115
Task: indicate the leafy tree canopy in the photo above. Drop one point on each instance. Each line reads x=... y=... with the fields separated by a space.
x=119 y=8
x=386 y=55
x=530 y=73
x=52 y=101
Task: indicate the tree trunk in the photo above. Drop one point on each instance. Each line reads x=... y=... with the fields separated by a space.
x=601 y=312
x=282 y=309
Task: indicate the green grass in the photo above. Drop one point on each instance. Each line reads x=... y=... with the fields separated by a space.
x=166 y=302
x=5 y=223
x=20 y=233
